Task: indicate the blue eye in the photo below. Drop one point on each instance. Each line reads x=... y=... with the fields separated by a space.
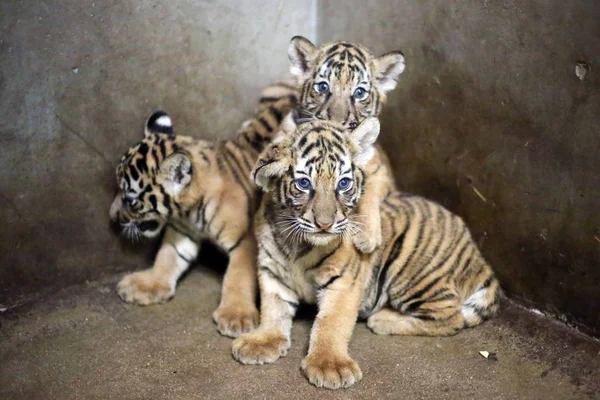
x=360 y=93
x=322 y=87
x=344 y=184
x=303 y=184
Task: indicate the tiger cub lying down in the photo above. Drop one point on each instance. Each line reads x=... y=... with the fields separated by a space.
x=428 y=277
x=193 y=190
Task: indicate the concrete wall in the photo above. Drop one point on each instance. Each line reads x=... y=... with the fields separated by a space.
x=491 y=120
x=62 y=133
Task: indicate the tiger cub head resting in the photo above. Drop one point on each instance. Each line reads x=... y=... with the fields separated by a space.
x=315 y=177
x=153 y=178
x=341 y=81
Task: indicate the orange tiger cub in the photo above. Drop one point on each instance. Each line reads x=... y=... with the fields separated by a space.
x=194 y=190
x=428 y=277
x=346 y=83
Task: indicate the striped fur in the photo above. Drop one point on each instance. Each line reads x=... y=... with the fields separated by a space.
x=192 y=190
x=345 y=83
x=428 y=277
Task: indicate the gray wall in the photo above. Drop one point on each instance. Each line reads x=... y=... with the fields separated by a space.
x=490 y=103
x=62 y=133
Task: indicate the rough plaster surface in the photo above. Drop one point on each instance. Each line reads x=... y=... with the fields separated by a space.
x=84 y=343
x=77 y=80
x=491 y=120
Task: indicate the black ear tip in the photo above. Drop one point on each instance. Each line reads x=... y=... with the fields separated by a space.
x=298 y=39
x=160 y=122
x=397 y=54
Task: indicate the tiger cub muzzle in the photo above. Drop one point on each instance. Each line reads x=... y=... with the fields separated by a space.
x=133 y=220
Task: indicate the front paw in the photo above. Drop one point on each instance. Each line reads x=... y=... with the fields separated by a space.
x=331 y=371
x=233 y=320
x=260 y=347
x=366 y=241
x=144 y=288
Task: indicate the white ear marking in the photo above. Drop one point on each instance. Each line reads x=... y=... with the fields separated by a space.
x=159 y=122
x=165 y=120
x=296 y=71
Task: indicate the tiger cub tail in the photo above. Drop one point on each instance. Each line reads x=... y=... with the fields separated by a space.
x=483 y=303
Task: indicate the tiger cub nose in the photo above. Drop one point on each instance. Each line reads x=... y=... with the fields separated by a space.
x=324 y=225
x=353 y=125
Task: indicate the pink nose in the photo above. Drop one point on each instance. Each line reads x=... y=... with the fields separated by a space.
x=324 y=225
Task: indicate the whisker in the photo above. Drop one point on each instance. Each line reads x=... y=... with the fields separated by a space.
x=358 y=216
x=292 y=233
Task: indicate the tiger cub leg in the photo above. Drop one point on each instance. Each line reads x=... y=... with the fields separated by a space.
x=157 y=284
x=271 y=339
x=328 y=363
x=433 y=318
x=237 y=312
x=369 y=237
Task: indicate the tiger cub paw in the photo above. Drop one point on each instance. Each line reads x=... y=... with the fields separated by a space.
x=144 y=288
x=260 y=347
x=331 y=371
x=234 y=320
x=368 y=239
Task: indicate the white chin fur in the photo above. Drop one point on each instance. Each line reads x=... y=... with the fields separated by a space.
x=151 y=234
x=320 y=240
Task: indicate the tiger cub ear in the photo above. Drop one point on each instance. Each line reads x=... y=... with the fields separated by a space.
x=176 y=173
x=159 y=122
x=387 y=69
x=271 y=165
x=301 y=53
x=364 y=136
x=288 y=125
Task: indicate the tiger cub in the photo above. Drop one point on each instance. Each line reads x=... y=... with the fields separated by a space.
x=344 y=82
x=428 y=277
x=193 y=190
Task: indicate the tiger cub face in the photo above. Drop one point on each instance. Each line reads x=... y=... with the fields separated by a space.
x=151 y=177
x=315 y=177
x=342 y=82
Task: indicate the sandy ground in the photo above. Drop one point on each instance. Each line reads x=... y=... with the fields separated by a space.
x=85 y=343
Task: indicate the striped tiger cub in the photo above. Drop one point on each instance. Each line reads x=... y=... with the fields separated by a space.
x=427 y=278
x=194 y=190
x=345 y=83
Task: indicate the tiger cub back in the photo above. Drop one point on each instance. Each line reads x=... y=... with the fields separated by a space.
x=431 y=278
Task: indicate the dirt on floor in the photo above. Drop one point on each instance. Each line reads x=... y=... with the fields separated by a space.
x=85 y=343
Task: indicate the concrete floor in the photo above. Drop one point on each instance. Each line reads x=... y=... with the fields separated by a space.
x=84 y=343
